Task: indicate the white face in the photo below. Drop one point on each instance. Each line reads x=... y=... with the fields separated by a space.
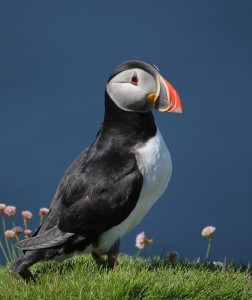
x=129 y=90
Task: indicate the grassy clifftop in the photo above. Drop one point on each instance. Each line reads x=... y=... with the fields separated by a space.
x=81 y=278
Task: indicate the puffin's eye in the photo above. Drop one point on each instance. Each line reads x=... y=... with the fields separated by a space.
x=134 y=79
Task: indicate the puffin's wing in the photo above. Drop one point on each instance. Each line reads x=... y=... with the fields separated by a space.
x=92 y=201
x=106 y=206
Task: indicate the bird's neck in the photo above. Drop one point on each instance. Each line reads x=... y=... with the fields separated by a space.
x=133 y=126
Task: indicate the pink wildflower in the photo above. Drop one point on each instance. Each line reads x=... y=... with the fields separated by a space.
x=43 y=211
x=10 y=210
x=142 y=241
x=2 y=207
x=26 y=214
x=9 y=234
x=27 y=233
x=17 y=230
x=208 y=231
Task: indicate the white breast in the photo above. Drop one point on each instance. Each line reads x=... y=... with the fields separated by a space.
x=154 y=162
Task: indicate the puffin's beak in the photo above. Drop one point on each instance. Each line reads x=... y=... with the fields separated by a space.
x=166 y=97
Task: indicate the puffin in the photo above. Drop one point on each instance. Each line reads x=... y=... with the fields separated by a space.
x=112 y=184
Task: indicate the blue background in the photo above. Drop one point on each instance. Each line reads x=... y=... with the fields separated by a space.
x=55 y=58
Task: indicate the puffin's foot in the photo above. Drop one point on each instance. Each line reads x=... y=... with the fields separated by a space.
x=97 y=257
x=113 y=262
x=112 y=255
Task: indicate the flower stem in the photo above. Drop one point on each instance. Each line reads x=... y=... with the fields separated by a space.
x=12 y=221
x=5 y=255
x=6 y=240
x=19 y=253
x=14 y=255
x=208 y=248
x=138 y=253
x=25 y=224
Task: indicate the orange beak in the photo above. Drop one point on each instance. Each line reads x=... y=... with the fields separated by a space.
x=167 y=99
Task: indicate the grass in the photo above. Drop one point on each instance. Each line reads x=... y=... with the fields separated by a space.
x=137 y=278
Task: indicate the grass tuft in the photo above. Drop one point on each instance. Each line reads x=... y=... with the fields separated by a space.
x=137 y=278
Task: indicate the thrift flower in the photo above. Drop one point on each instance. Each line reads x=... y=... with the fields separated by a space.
x=10 y=210
x=27 y=215
x=9 y=234
x=142 y=241
x=17 y=230
x=2 y=207
x=43 y=211
x=208 y=231
x=27 y=233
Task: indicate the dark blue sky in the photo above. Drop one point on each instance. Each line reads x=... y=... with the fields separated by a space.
x=55 y=58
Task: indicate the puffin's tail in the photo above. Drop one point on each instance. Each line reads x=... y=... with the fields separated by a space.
x=31 y=257
x=40 y=247
x=25 y=261
x=21 y=266
x=28 y=259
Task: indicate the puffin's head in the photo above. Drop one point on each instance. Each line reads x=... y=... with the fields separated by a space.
x=138 y=86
